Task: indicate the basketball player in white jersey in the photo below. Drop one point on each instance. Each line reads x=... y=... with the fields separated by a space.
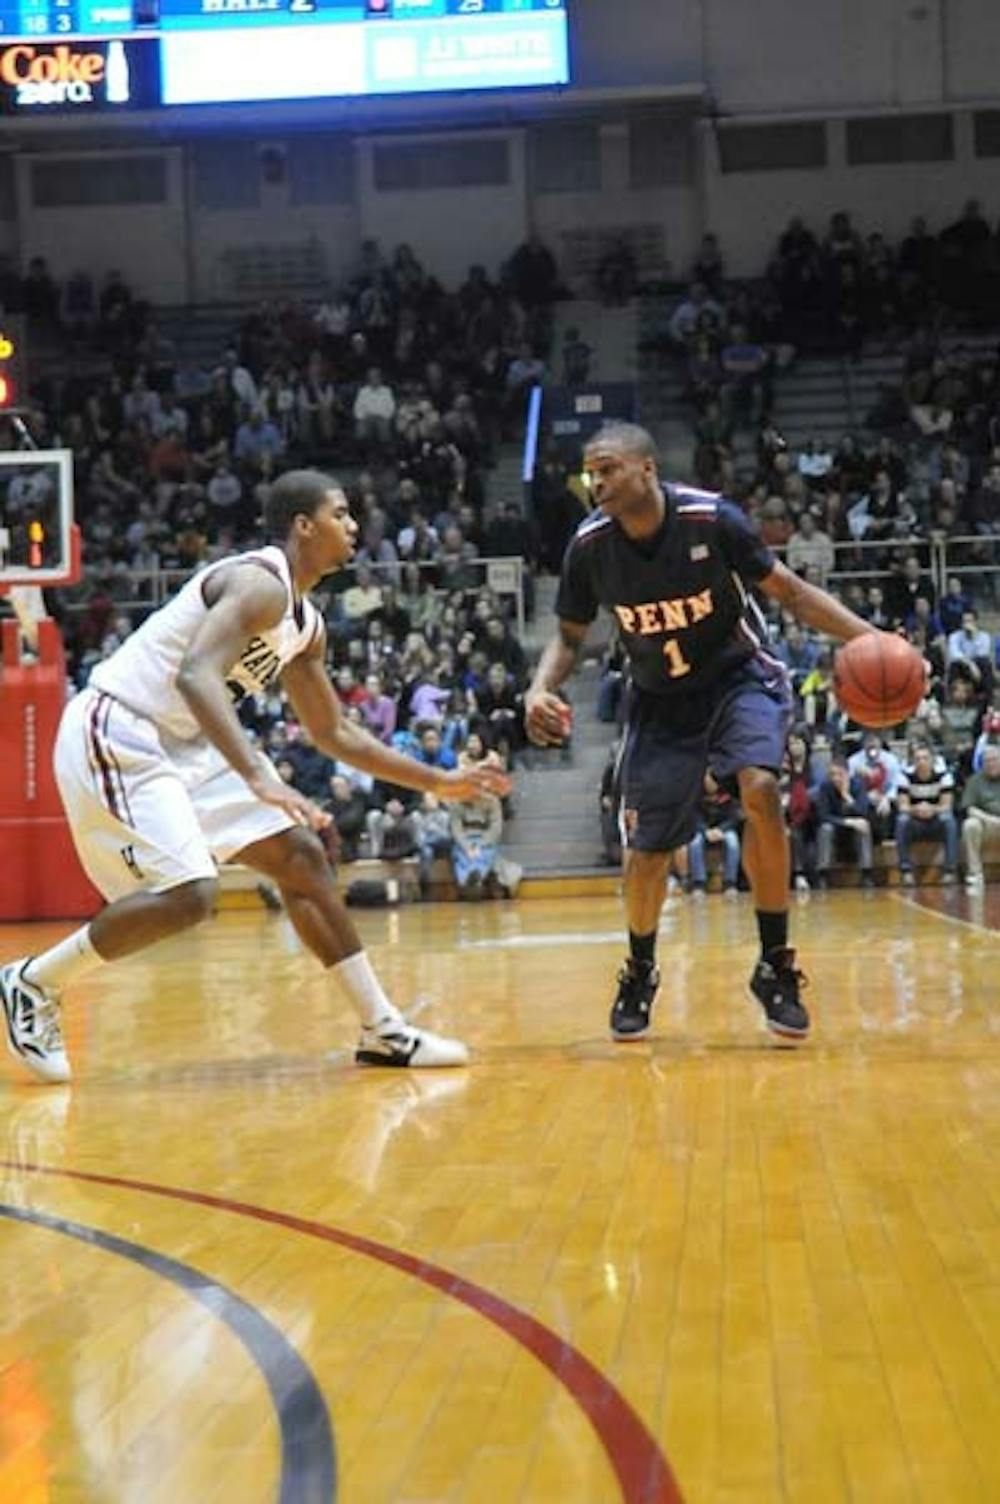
x=160 y=781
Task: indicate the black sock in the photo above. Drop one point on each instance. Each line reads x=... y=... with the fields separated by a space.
x=642 y=948
x=773 y=930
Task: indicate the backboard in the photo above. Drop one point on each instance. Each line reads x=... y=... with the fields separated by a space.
x=38 y=542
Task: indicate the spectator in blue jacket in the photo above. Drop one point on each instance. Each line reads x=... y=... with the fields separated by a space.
x=842 y=813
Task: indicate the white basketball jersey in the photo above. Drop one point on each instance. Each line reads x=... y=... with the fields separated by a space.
x=142 y=674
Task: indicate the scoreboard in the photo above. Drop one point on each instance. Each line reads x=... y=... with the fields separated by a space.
x=78 y=56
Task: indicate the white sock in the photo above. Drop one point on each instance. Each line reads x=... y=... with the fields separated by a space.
x=62 y=964
x=364 y=989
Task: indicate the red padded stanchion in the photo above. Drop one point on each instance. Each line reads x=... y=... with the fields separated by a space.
x=40 y=876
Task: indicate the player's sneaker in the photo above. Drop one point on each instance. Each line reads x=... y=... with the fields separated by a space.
x=397 y=1043
x=34 y=1034
x=638 y=984
x=775 y=985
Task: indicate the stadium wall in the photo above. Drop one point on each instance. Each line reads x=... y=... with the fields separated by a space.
x=637 y=145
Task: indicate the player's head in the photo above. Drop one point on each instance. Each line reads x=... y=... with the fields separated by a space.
x=309 y=511
x=621 y=464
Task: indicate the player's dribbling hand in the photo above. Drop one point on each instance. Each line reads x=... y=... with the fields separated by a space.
x=546 y=719
x=472 y=782
x=295 y=805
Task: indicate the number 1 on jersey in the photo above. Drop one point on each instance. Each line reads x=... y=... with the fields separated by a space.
x=677 y=664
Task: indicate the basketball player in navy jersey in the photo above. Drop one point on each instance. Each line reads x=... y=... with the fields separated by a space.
x=160 y=781
x=677 y=568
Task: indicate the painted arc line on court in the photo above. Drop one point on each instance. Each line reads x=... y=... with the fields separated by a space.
x=924 y=902
x=643 y=1472
x=308 y=1457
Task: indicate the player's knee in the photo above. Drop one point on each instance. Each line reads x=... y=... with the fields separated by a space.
x=194 y=902
x=646 y=865
x=304 y=865
x=760 y=794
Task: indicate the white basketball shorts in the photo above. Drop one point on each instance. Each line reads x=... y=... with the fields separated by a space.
x=148 y=811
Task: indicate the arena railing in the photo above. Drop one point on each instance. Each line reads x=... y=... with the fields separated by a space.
x=151 y=588
x=870 y=561
x=973 y=558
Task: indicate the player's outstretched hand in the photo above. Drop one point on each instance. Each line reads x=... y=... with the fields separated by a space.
x=472 y=782
x=298 y=808
x=546 y=719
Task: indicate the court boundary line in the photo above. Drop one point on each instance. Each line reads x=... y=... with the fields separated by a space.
x=966 y=924
x=644 y=1475
x=308 y=1472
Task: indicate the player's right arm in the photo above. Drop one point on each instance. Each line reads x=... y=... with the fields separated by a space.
x=544 y=710
x=576 y=606
x=244 y=602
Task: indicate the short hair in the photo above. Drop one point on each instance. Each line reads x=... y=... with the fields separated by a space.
x=636 y=441
x=297 y=493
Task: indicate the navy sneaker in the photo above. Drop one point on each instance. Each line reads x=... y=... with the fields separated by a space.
x=775 y=984
x=638 y=984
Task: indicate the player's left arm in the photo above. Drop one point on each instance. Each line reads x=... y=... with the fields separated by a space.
x=753 y=561
x=811 y=605
x=306 y=683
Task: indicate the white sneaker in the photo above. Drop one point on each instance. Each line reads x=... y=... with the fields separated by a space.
x=397 y=1043
x=34 y=1033
x=802 y=883
x=974 y=883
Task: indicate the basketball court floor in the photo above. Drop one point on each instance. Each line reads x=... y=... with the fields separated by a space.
x=238 y=1269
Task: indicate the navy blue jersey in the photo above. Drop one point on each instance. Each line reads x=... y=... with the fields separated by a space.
x=680 y=598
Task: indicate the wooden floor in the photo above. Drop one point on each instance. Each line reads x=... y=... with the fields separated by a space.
x=237 y=1268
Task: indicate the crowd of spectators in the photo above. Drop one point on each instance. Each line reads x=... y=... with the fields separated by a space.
x=413 y=388
x=831 y=292
x=923 y=466
x=437 y=675
x=928 y=462
x=403 y=389
x=841 y=805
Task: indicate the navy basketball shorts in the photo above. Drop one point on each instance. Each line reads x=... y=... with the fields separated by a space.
x=742 y=721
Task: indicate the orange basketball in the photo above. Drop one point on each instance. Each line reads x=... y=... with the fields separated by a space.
x=878 y=679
